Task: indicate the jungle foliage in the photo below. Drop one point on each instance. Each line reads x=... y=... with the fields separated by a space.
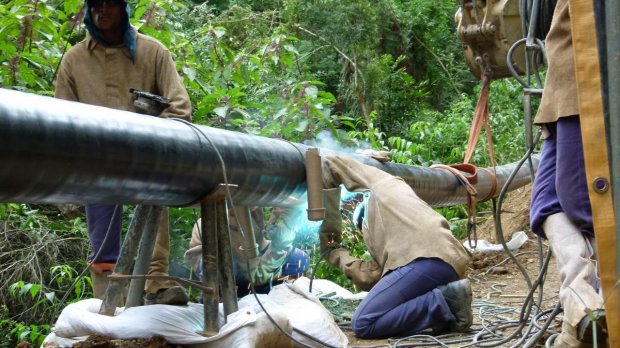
x=386 y=74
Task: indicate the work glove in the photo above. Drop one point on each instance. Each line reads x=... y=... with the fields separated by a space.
x=269 y=265
x=381 y=156
x=364 y=274
x=281 y=235
x=330 y=234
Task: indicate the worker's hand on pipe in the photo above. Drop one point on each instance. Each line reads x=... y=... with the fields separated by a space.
x=381 y=156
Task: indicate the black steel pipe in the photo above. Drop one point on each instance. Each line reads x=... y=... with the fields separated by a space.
x=55 y=151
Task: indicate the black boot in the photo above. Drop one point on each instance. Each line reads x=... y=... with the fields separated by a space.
x=458 y=296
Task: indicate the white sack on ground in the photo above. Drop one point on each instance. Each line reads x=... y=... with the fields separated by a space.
x=483 y=246
x=248 y=327
x=305 y=312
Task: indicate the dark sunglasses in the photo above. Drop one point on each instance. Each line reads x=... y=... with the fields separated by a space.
x=107 y=3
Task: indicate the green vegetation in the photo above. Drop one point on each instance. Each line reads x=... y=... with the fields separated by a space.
x=387 y=74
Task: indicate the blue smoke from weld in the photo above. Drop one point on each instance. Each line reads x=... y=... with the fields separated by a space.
x=348 y=196
x=306 y=231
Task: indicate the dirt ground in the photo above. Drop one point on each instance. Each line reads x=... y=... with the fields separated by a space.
x=499 y=289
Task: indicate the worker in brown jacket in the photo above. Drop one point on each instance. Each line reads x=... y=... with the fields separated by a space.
x=416 y=276
x=560 y=209
x=100 y=70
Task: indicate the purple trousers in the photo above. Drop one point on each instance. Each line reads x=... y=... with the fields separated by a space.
x=560 y=184
x=102 y=220
x=406 y=301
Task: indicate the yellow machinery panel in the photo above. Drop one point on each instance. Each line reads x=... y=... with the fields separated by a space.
x=487 y=30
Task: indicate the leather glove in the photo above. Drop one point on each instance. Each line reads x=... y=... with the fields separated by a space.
x=364 y=274
x=381 y=156
x=331 y=228
x=267 y=266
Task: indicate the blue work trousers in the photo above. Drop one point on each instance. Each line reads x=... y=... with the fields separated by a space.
x=100 y=222
x=560 y=184
x=406 y=301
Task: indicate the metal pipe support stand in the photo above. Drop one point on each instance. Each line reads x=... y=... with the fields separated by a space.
x=217 y=264
x=129 y=249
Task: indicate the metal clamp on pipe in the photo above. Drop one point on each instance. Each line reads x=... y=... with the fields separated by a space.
x=316 y=211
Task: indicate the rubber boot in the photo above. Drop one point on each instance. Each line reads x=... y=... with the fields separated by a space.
x=99 y=273
x=574 y=256
x=458 y=296
x=331 y=228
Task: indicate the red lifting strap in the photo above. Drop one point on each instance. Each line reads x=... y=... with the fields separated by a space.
x=467 y=173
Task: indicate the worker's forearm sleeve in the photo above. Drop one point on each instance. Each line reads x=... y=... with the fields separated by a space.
x=364 y=274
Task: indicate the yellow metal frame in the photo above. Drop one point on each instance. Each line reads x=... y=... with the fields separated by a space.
x=585 y=50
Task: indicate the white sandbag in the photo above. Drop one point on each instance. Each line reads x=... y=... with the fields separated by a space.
x=305 y=312
x=177 y=324
x=261 y=333
x=322 y=287
x=249 y=327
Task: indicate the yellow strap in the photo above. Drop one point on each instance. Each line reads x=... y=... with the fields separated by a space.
x=585 y=51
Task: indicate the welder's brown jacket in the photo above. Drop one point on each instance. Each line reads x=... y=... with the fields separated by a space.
x=559 y=97
x=101 y=75
x=399 y=227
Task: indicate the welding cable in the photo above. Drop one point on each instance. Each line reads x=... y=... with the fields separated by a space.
x=280 y=328
x=421 y=340
x=230 y=200
x=222 y=165
x=498 y=310
x=373 y=346
x=538 y=283
x=316 y=266
x=550 y=342
x=543 y=329
x=527 y=306
x=430 y=340
x=83 y=273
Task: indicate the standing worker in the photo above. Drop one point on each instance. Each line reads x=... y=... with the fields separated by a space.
x=101 y=70
x=560 y=209
x=415 y=280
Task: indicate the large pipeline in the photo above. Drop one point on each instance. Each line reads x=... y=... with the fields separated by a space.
x=56 y=151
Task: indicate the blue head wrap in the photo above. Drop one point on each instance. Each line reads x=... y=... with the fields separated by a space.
x=129 y=37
